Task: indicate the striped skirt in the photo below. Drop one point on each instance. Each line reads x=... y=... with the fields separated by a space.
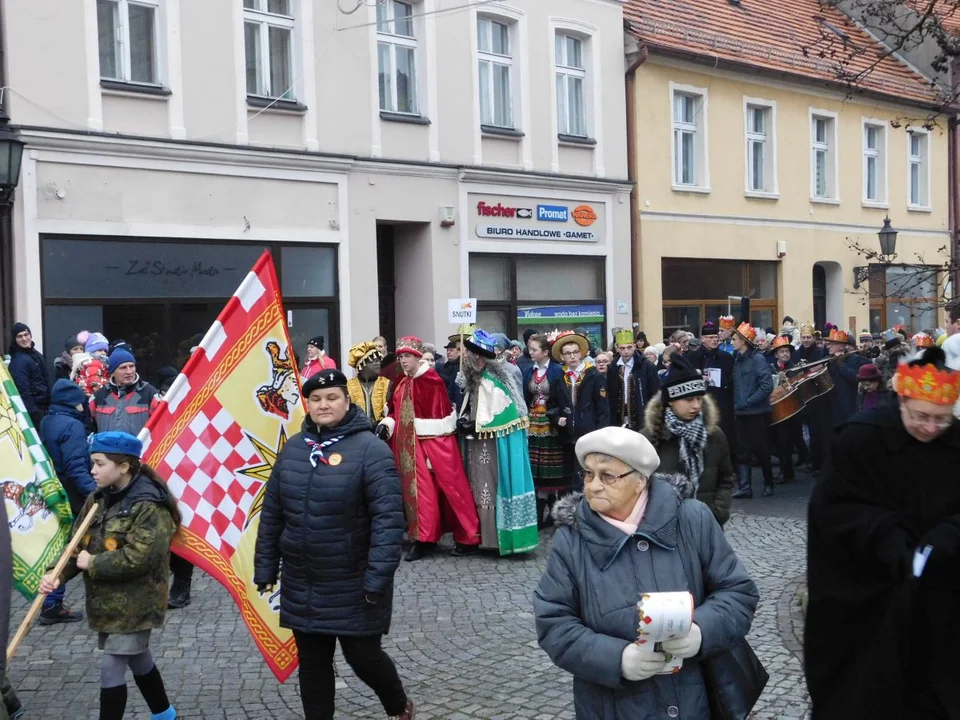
x=546 y=452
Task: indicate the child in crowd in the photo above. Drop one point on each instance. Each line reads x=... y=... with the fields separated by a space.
x=870 y=392
x=125 y=558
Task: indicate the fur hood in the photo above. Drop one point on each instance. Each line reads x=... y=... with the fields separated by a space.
x=655 y=428
x=565 y=509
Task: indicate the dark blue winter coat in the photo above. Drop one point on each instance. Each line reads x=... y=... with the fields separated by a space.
x=337 y=527
x=592 y=410
x=586 y=602
x=752 y=383
x=65 y=437
x=29 y=373
x=843 y=397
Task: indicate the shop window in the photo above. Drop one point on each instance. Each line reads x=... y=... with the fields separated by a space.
x=545 y=293
x=696 y=291
x=309 y=271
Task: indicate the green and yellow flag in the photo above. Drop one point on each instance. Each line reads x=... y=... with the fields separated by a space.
x=38 y=509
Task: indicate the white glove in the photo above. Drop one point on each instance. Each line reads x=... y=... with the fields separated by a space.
x=637 y=663
x=685 y=647
x=461 y=381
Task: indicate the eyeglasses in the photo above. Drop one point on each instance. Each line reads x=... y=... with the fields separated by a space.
x=938 y=421
x=569 y=353
x=588 y=475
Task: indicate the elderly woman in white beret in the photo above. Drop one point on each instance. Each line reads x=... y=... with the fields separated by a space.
x=628 y=535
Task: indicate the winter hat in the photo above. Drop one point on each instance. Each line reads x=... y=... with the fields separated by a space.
x=682 y=380
x=709 y=329
x=71 y=342
x=19 y=328
x=119 y=357
x=121 y=344
x=622 y=443
x=96 y=342
x=318 y=342
x=116 y=442
x=528 y=333
x=66 y=392
x=502 y=341
x=869 y=372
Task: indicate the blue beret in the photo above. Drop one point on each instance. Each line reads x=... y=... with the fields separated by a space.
x=116 y=442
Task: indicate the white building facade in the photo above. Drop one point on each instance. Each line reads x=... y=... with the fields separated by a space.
x=391 y=156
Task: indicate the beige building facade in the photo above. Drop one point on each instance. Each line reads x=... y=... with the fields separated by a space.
x=390 y=156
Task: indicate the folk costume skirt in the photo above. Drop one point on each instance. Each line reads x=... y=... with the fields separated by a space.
x=546 y=453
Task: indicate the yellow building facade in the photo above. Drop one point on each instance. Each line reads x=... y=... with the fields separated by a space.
x=749 y=185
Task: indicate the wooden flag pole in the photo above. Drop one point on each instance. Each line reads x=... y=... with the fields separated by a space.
x=461 y=348
x=58 y=568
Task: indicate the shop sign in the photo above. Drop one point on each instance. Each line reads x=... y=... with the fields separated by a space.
x=560 y=313
x=516 y=218
x=462 y=310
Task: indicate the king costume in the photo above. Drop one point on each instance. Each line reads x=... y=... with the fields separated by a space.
x=494 y=421
x=422 y=426
x=368 y=391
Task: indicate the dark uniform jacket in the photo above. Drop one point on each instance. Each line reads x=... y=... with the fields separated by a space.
x=29 y=373
x=752 y=383
x=337 y=527
x=644 y=385
x=591 y=412
x=706 y=359
x=130 y=543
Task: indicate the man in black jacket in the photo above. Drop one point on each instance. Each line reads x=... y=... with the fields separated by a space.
x=717 y=368
x=882 y=626
x=29 y=372
x=631 y=383
x=334 y=498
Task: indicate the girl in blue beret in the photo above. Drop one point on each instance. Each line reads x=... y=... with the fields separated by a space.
x=125 y=559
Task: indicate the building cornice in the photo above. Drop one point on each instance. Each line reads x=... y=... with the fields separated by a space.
x=548 y=182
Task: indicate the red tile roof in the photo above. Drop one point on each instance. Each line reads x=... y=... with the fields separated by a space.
x=946 y=11
x=772 y=35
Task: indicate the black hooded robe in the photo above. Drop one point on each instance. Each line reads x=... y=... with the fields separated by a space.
x=878 y=642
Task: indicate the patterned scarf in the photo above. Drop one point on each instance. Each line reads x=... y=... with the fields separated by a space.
x=317 y=448
x=693 y=440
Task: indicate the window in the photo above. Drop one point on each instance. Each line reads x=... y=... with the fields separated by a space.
x=919 y=169
x=518 y=292
x=823 y=160
x=495 y=73
x=127 y=35
x=689 y=138
x=874 y=163
x=761 y=146
x=268 y=39
x=907 y=295
x=397 y=57
x=695 y=291
x=571 y=81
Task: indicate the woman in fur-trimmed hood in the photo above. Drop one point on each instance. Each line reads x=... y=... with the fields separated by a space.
x=683 y=424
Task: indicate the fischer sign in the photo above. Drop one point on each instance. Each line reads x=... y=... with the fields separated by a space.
x=504 y=217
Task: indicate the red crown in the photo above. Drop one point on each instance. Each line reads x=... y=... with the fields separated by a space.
x=410 y=344
x=922 y=340
x=839 y=336
x=781 y=341
x=726 y=322
x=925 y=382
x=748 y=332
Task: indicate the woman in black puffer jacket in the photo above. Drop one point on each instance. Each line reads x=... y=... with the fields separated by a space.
x=333 y=515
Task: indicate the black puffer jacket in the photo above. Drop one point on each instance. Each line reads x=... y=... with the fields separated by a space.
x=337 y=528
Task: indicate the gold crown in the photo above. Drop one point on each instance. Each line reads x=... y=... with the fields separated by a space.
x=624 y=336
x=807 y=328
x=363 y=353
x=925 y=382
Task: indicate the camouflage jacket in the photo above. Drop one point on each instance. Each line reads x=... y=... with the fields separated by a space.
x=130 y=542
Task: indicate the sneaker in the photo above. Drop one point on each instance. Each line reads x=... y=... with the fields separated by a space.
x=59 y=613
x=408 y=714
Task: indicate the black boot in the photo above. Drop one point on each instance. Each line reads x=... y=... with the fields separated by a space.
x=179 y=593
x=59 y=613
x=744 y=483
x=151 y=687
x=461 y=550
x=113 y=702
x=768 y=490
x=418 y=551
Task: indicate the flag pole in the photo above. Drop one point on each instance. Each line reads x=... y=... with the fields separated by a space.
x=461 y=348
x=58 y=568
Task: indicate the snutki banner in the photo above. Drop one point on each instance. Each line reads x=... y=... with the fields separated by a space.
x=215 y=439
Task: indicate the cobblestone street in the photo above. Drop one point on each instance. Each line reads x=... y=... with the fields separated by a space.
x=462 y=637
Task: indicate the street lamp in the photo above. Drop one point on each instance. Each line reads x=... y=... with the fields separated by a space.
x=888 y=241
x=11 y=153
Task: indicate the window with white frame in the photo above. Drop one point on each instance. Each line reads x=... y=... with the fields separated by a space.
x=874 y=163
x=268 y=39
x=127 y=35
x=918 y=164
x=761 y=153
x=397 y=57
x=689 y=141
x=823 y=157
x=571 y=85
x=495 y=72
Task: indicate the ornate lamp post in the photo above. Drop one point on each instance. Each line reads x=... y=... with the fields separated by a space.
x=888 y=241
x=11 y=153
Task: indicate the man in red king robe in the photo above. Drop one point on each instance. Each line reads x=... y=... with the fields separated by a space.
x=422 y=425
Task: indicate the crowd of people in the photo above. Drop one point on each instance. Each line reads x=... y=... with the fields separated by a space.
x=501 y=439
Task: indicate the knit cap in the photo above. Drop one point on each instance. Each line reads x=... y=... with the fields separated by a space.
x=118 y=358
x=96 y=342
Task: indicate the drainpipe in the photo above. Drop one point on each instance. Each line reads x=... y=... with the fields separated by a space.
x=635 y=61
x=6 y=238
